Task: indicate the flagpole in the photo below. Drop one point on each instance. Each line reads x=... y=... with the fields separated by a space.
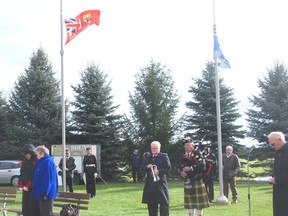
x=63 y=104
x=222 y=199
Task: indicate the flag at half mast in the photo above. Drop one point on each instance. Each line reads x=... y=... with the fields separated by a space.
x=78 y=24
x=218 y=55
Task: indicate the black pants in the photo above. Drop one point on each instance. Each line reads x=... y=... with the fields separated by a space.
x=209 y=185
x=91 y=184
x=46 y=208
x=136 y=174
x=30 y=207
x=153 y=209
x=69 y=182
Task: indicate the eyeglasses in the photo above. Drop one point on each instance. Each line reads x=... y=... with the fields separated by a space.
x=272 y=144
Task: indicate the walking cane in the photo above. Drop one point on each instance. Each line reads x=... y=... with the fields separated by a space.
x=102 y=179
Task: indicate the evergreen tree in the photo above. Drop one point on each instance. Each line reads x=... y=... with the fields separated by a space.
x=35 y=103
x=3 y=118
x=269 y=109
x=153 y=106
x=203 y=119
x=8 y=150
x=94 y=116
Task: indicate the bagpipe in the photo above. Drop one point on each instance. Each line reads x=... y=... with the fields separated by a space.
x=198 y=160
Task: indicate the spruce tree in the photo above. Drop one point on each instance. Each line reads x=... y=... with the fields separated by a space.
x=94 y=116
x=269 y=108
x=202 y=118
x=153 y=103
x=35 y=103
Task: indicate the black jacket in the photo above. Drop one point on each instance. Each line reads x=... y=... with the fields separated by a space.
x=156 y=192
x=280 y=189
x=70 y=164
x=90 y=164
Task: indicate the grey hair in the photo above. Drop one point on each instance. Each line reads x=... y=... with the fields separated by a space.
x=277 y=135
x=42 y=149
x=156 y=143
x=229 y=147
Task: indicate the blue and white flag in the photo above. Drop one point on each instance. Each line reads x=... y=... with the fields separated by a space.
x=222 y=61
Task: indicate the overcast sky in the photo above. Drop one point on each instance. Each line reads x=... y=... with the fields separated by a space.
x=178 y=33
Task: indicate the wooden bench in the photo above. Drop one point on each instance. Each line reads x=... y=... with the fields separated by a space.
x=81 y=200
x=8 y=195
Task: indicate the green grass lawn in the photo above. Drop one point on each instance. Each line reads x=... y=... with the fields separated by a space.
x=123 y=199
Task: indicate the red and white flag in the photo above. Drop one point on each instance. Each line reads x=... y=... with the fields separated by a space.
x=78 y=24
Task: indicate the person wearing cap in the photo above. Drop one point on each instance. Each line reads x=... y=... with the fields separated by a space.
x=69 y=167
x=191 y=167
x=30 y=207
x=90 y=171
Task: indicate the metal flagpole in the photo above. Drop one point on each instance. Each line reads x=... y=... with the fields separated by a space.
x=222 y=198
x=63 y=105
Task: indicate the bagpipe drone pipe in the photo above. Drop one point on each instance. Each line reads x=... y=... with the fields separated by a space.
x=199 y=160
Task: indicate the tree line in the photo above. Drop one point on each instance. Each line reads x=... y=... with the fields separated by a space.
x=32 y=113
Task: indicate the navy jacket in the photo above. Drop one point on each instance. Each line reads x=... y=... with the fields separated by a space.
x=156 y=192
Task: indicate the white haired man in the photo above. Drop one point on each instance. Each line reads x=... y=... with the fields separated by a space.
x=231 y=167
x=280 y=173
x=157 y=165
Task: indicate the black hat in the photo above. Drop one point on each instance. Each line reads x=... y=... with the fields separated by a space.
x=29 y=148
x=88 y=148
x=187 y=140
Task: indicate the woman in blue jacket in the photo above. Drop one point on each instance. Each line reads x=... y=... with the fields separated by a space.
x=45 y=181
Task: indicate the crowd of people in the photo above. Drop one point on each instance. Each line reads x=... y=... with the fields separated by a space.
x=39 y=182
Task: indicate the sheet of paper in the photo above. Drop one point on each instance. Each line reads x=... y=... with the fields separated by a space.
x=264 y=179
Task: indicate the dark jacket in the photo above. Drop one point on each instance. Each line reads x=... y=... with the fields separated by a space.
x=90 y=164
x=26 y=173
x=136 y=160
x=70 y=164
x=280 y=189
x=194 y=160
x=231 y=166
x=45 y=180
x=156 y=192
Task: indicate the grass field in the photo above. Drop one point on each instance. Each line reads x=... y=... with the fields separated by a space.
x=123 y=199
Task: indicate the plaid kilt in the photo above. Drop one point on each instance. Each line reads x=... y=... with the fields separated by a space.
x=195 y=197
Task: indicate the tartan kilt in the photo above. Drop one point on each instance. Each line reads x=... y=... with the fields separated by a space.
x=195 y=197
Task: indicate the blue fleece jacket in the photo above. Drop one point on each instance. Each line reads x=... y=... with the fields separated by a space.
x=45 y=180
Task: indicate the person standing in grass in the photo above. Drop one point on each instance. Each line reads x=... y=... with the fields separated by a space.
x=191 y=167
x=280 y=173
x=157 y=165
x=30 y=207
x=90 y=171
x=45 y=181
x=70 y=166
x=136 y=162
x=231 y=166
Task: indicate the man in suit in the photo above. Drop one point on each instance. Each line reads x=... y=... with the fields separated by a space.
x=70 y=166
